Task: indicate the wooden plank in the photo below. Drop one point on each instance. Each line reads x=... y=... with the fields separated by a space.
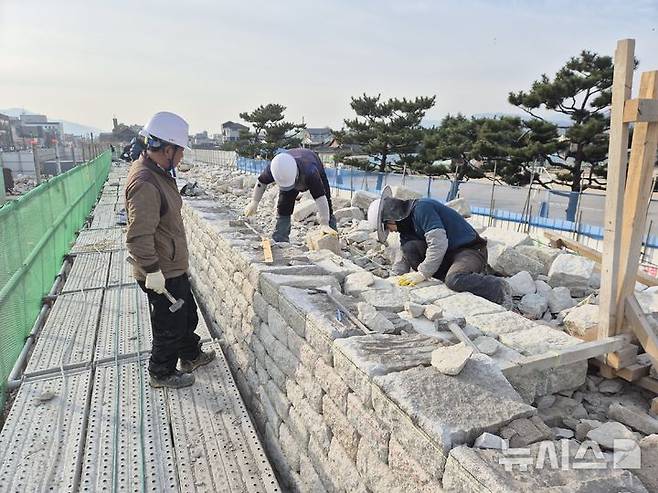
x=649 y=384
x=623 y=358
x=631 y=373
x=617 y=159
x=642 y=328
x=566 y=356
x=562 y=241
x=267 y=250
x=638 y=193
x=641 y=110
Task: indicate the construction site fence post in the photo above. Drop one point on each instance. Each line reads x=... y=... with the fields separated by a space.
x=36 y=231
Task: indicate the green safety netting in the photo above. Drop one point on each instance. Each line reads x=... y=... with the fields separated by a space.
x=36 y=231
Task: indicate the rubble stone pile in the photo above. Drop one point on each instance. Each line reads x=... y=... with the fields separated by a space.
x=428 y=398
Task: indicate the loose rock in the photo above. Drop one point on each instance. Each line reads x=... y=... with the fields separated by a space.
x=533 y=306
x=606 y=434
x=635 y=418
x=451 y=360
x=489 y=441
x=522 y=284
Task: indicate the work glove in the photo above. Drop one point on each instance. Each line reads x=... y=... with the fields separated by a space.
x=327 y=230
x=411 y=279
x=155 y=281
x=251 y=209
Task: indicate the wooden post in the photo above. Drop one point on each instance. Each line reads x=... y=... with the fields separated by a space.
x=58 y=159
x=617 y=159
x=638 y=193
x=37 y=163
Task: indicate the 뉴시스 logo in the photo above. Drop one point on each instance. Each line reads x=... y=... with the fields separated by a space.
x=563 y=454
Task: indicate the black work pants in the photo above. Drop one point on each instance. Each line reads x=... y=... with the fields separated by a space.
x=173 y=332
x=461 y=270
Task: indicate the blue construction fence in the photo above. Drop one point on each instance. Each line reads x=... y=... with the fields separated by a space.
x=353 y=179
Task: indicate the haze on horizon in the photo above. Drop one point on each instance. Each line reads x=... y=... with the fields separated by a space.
x=87 y=61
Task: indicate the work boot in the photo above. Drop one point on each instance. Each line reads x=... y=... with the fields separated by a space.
x=282 y=229
x=203 y=359
x=176 y=380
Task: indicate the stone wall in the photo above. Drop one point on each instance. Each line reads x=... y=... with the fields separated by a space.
x=337 y=410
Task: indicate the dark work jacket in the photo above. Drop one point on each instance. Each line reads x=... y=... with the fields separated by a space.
x=429 y=214
x=311 y=175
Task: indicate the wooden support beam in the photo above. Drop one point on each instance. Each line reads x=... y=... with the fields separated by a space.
x=641 y=110
x=638 y=193
x=565 y=356
x=642 y=328
x=631 y=373
x=649 y=384
x=559 y=241
x=623 y=358
x=616 y=181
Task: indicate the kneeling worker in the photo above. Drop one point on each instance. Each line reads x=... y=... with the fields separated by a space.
x=438 y=242
x=294 y=171
x=156 y=241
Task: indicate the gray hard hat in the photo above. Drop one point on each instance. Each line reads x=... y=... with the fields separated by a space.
x=388 y=209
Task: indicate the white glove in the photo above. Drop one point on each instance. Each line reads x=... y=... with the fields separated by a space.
x=251 y=209
x=411 y=279
x=155 y=281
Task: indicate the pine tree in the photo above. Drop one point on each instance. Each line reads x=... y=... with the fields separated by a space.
x=581 y=91
x=383 y=128
x=271 y=132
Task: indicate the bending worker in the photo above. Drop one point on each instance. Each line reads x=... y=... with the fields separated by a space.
x=156 y=241
x=436 y=241
x=294 y=171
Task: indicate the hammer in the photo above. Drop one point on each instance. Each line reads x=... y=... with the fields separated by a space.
x=175 y=304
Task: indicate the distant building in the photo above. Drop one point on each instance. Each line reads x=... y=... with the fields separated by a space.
x=203 y=141
x=231 y=131
x=316 y=137
x=120 y=133
x=6 y=133
x=38 y=129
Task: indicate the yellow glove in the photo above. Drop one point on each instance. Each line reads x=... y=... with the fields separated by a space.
x=327 y=230
x=251 y=209
x=411 y=279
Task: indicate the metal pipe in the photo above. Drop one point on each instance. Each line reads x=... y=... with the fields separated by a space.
x=15 y=378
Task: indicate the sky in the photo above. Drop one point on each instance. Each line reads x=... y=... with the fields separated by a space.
x=208 y=60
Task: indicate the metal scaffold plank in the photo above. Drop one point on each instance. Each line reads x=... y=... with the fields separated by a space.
x=216 y=444
x=99 y=240
x=124 y=327
x=88 y=272
x=104 y=218
x=108 y=200
x=43 y=437
x=128 y=444
x=120 y=271
x=67 y=338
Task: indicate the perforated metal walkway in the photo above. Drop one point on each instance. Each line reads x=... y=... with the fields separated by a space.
x=85 y=417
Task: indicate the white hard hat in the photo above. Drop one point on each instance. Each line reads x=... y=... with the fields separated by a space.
x=375 y=214
x=284 y=171
x=168 y=127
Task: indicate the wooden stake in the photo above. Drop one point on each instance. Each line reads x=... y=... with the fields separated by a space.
x=638 y=193
x=617 y=159
x=267 y=250
x=642 y=328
